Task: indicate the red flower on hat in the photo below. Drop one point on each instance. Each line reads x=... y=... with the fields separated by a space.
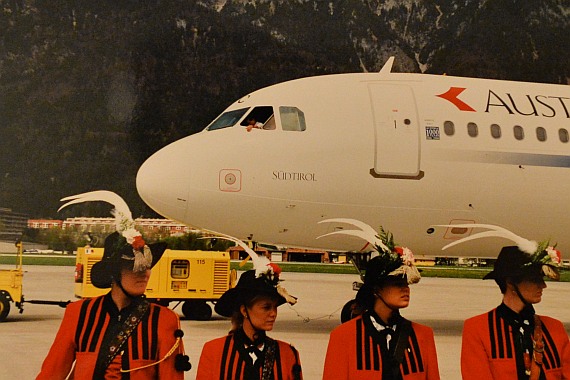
x=399 y=250
x=138 y=242
x=276 y=268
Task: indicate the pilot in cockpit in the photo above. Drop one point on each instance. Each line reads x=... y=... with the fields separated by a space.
x=253 y=123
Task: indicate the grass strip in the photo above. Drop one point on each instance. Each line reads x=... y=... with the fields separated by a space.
x=432 y=271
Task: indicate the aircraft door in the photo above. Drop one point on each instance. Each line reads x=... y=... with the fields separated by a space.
x=396 y=129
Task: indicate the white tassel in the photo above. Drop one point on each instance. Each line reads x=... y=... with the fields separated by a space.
x=142 y=261
x=412 y=273
x=291 y=300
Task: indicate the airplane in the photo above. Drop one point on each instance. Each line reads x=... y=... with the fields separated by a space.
x=405 y=151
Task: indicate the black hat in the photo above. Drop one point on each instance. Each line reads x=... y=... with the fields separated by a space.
x=380 y=268
x=512 y=262
x=381 y=271
x=263 y=279
x=118 y=254
x=248 y=287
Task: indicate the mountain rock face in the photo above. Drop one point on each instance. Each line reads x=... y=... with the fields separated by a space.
x=89 y=89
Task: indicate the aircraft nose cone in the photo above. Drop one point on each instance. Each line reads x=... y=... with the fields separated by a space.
x=164 y=186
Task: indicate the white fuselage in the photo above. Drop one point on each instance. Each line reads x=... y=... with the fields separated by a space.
x=378 y=147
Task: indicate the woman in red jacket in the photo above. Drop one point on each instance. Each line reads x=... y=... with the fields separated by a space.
x=380 y=343
x=512 y=341
x=247 y=352
x=119 y=335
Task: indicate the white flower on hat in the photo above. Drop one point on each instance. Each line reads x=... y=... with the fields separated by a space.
x=130 y=235
x=554 y=254
x=407 y=256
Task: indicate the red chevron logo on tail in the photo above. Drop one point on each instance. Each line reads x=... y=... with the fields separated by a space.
x=452 y=94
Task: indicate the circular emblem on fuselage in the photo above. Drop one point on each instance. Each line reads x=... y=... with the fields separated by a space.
x=230 y=178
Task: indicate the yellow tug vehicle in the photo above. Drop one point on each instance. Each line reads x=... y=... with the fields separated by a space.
x=192 y=278
x=11 y=281
x=11 y=286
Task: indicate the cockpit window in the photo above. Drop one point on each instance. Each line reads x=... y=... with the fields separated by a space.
x=227 y=119
x=259 y=117
x=292 y=119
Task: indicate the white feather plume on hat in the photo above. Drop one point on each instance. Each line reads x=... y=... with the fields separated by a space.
x=123 y=217
x=365 y=232
x=539 y=253
x=124 y=223
x=261 y=264
x=368 y=233
x=525 y=245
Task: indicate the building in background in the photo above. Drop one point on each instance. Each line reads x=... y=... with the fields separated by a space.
x=12 y=224
x=44 y=223
x=147 y=225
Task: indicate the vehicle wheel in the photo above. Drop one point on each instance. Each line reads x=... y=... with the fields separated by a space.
x=4 y=306
x=349 y=310
x=187 y=309
x=197 y=310
x=202 y=311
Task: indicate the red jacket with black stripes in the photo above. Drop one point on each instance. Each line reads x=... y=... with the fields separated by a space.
x=488 y=348
x=81 y=333
x=222 y=358
x=354 y=354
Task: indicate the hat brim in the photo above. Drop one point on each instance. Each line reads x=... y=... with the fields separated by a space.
x=102 y=272
x=233 y=298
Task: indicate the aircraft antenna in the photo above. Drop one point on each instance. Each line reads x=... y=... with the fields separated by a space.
x=387 y=68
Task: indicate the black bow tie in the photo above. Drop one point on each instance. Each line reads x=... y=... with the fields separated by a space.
x=387 y=333
x=253 y=349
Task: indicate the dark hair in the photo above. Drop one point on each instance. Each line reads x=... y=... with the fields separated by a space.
x=365 y=297
x=502 y=282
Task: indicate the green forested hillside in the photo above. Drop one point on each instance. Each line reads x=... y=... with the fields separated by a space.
x=89 y=89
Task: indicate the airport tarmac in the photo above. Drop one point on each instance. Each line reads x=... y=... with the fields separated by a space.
x=440 y=303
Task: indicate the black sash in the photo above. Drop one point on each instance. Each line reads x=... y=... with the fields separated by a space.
x=401 y=345
x=267 y=371
x=115 y=338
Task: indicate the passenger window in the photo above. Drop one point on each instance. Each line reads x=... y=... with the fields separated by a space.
x=227 y=119
x=495 y=131
x=518 y=131
x=541 y=134
x=449 y=128
x=472 y=129
x=258 y=117
x=563 y=134
x=292 y=119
